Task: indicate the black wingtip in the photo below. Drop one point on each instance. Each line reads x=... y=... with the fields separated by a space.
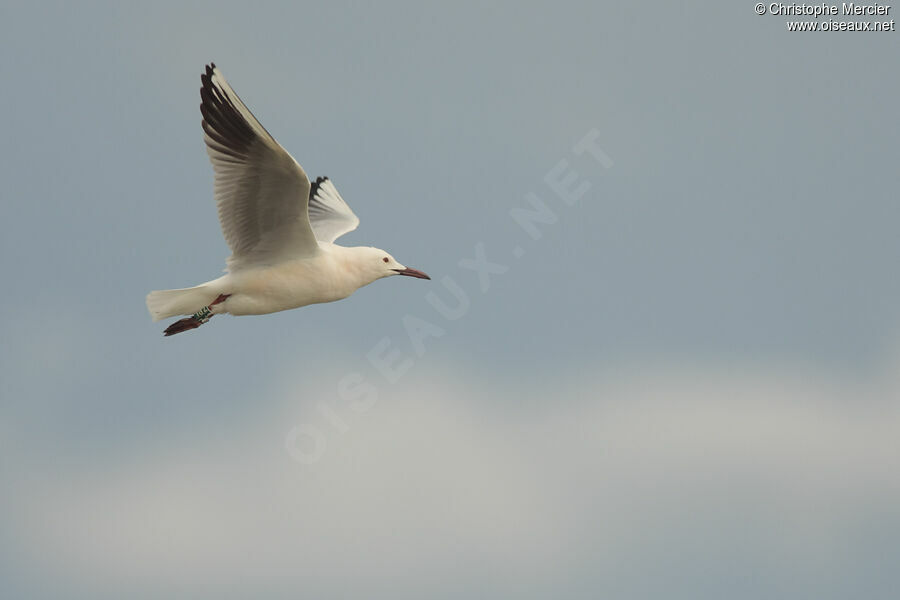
x=314 y=186
x=222 y=121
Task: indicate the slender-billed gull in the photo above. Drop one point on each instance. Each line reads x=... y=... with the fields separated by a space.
x=280 y=227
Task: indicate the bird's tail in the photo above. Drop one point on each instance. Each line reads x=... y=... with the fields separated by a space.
x=169 y=303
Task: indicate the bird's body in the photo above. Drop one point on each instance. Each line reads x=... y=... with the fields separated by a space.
x=292 y=284
x=280 y=227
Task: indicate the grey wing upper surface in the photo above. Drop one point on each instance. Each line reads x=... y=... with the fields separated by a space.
x=262 y=193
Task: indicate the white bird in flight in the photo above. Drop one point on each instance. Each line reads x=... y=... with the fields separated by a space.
x=280 y=228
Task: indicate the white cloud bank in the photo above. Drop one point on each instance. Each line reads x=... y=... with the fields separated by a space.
x=669 y=483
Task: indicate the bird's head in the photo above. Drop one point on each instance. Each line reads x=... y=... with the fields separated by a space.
x=378 y=263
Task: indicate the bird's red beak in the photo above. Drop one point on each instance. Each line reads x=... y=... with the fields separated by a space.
x=412 y=273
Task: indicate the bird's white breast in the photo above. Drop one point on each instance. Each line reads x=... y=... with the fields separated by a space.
x=288 y=285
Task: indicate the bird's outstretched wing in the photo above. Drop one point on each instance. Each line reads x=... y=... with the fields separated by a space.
x=261 y=191
x=329 y=215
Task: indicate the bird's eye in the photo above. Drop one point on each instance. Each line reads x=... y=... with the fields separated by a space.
x=385 y=259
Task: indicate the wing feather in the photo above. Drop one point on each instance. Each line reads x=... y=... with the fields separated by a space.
x=261 y=191
x=329 y=215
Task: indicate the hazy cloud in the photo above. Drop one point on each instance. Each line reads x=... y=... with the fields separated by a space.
x=631 y=482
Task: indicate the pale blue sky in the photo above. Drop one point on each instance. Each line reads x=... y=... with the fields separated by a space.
x=740 y=252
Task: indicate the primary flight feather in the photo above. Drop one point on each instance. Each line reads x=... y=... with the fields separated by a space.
x=280 y=227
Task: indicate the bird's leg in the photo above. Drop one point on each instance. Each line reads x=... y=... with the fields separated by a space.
x=221 y=298
x=195 y=320
x=203 y=315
